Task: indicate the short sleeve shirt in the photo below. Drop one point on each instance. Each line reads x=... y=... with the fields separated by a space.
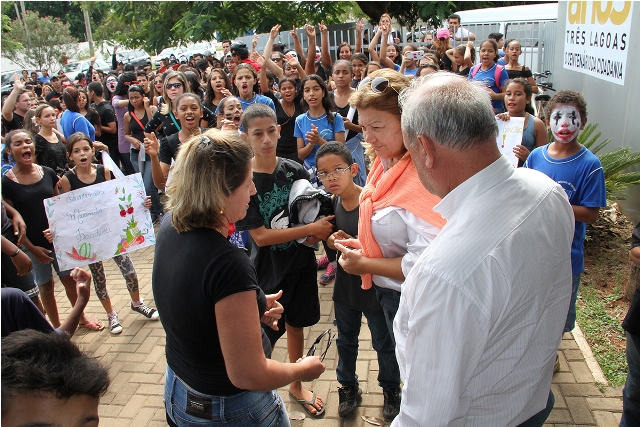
x=28 y=200
x=326 y=130
x=269 y=207
x=582 y=178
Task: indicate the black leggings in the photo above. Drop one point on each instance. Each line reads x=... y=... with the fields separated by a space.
x=125 y=163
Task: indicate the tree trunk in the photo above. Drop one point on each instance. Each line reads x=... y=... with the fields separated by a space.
x=634 y=281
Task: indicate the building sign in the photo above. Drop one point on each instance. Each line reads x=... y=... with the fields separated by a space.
x=597 y=38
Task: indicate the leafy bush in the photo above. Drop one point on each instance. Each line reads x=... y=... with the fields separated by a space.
x=614 y=163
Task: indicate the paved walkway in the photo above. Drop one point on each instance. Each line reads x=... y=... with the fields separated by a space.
x=137 y=364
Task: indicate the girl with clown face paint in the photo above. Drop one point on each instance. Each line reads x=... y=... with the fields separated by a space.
x=577 y=170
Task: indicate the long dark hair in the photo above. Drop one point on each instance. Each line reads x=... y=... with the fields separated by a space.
x=326 y=100
x=124 y=82
x=210 y=95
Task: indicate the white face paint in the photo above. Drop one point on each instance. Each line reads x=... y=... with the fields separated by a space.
x=565 y=123
x=112 y=82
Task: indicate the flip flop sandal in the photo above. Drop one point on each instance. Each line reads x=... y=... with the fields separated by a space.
x=92 y=325
x=311 y=402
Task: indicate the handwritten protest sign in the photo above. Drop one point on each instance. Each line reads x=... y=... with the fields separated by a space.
x=510 y=135
x=99 y=221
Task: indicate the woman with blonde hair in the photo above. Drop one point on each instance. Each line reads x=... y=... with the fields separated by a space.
x=175 y=84
x=396 y=221
x=200 y=279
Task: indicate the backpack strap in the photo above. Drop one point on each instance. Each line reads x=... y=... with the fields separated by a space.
x=475 y=70
x=496 y=76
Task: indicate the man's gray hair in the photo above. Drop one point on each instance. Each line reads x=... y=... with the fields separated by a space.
x=456 y=114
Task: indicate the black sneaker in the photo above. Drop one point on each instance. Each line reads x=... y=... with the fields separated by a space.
x=348 y=396
x=392 y=400
x=146 y=311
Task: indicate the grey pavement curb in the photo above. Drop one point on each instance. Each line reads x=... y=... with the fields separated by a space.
x=592 y=363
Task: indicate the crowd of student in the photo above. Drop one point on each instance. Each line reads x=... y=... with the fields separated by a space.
x=307 y=150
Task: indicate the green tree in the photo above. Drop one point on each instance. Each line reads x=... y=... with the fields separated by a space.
x=69 y=12
x=6 y=28
x=156 y=25
x=42 y=46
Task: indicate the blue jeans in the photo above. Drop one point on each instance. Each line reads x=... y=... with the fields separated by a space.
x=571 y=316
x=348 y=322
x=631 y=391
x=249 y=408
x=147 y=178
x=538 y=419
x=390 y=301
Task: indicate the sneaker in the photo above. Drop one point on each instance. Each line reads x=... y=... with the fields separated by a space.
x=114 y=325
x=391 y=406
x=348 y=396
x=328 y=275
x=322 y=262
x=146 y=311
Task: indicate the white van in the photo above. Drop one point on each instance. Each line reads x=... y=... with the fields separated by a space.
x=533 y=25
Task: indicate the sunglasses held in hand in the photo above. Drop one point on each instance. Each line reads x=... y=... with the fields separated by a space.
x=325 y=337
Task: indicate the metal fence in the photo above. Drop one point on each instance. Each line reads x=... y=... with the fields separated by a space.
x=537 y=39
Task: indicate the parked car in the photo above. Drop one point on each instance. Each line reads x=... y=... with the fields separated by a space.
x=197 y=48
x=72 y=69
x=136 y=57
x=167 y=52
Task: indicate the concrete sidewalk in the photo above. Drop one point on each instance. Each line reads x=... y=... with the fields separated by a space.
x=137 y=364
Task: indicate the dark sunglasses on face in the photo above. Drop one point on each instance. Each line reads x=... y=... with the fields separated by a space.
x=276 y=59
x=173 y=85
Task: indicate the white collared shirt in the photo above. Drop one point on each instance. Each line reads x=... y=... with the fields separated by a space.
x=482 y=311
x=399 y=233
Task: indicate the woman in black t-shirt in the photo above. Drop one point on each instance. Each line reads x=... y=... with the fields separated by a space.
x=208 y=292
x=189 y=112
x=25 y=187
x=49 y=143
x=218 y=87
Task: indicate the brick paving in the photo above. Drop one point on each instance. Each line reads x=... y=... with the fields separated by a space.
x=137 y=364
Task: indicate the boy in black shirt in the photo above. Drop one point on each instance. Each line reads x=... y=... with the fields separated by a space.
x=281 y=262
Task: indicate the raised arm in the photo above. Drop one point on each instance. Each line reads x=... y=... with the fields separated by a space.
x=298 y=46
x=372 y=47
x=310 y=65
x=268 y=49
x=359 y=30
x=384 y=60
x=467 y=54
x=10 y=103
x=325 y=59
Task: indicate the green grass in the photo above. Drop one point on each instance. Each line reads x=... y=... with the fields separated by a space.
x=599 y=328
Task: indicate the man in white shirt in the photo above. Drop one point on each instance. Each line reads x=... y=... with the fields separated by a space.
x=483 y=309
x=458 y=33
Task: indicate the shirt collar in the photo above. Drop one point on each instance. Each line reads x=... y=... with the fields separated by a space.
x=494 y=174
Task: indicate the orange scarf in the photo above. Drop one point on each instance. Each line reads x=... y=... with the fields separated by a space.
x=398 y=186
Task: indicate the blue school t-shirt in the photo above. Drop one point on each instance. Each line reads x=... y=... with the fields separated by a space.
x=488 y=77
x=582 y=178
x=326 y=130
x=261 y=99
x=411 y=72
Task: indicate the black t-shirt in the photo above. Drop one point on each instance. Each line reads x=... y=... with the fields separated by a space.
x=75 y=182
x=632 y=320
x=519 y=73
x=17 y=122
x=52 y=95
x=53 y=156
x=19 y=312
x=287 y=147
x=344 y=111
x=348 y=287
x=191 y=273
x=105 y=111
x=169 y=122
x=27 y=199
x=168 y=149
x=270 y=207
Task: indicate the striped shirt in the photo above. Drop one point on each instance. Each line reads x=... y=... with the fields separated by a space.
x=482 y=310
